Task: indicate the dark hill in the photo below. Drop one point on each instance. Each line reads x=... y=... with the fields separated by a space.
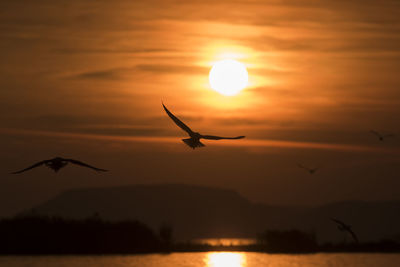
x=198 y=211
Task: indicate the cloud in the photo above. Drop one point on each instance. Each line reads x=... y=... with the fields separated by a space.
x=183 y=69
x=116 y=50
x=119 y=73
x=111 y=74
x=113 y=125
x=250 y=143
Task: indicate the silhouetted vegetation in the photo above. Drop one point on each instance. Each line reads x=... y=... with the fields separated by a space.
x=295 y=241
x=165 y=233
x=385 y=245
x=54 y=235
x=36 y=234
x=292 y=241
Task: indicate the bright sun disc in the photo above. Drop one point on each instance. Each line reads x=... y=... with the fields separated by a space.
x=228 y=77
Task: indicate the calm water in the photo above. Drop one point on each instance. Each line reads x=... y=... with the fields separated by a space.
x=208 y=259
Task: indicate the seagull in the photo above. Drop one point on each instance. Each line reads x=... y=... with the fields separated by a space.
x=57 y=163
x=380 y=136
x=345 y=228
x=310 y=170
x=194 y=140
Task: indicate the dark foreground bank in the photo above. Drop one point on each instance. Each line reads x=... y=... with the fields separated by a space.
x=36 y=235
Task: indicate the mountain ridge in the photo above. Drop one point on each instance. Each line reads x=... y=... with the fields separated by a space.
x=200 y=211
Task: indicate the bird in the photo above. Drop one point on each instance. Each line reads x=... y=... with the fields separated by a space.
x=310 y=170
x=57 y=163
x=345 y=228
x=194 y=140
x=380 y=136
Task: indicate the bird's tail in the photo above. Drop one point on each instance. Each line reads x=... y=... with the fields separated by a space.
x=193 y=143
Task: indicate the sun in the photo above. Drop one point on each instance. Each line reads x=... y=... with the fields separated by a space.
x=228 y=77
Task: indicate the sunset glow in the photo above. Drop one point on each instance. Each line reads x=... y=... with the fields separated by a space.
x=303 y=81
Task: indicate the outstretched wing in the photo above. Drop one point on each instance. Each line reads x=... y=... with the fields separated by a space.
x=178 y=121
x=346 y=228
x=339 y=222
x=353 y=235
x=31 y=167
x=303 y=167
x=213 y=137
x=376 y=133
x=84 y=165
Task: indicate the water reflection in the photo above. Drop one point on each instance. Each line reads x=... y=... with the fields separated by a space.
x=208 y=259
x=225 y=259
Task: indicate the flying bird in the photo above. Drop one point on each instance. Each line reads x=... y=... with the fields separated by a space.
x=194 y=140
x=57 y=163
x=345 y=228
x=310 y=170
x=381 y=137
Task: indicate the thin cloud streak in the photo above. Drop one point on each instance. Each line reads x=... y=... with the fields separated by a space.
x=315 y=145
x=259 y=143
x=86 y=136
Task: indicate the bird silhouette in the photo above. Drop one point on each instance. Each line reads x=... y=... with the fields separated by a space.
x=57 y=163
x=345 y=228
x=381 y=137
x=310 y=170
x=194 y=140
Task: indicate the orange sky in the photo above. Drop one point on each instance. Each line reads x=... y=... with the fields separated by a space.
x=80 y=78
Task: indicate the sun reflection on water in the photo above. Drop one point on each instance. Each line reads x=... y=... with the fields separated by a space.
x=225 y=259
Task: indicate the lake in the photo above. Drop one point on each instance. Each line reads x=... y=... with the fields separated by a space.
x=207 y=259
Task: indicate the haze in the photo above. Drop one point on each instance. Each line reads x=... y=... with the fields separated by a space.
x=85 y=79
